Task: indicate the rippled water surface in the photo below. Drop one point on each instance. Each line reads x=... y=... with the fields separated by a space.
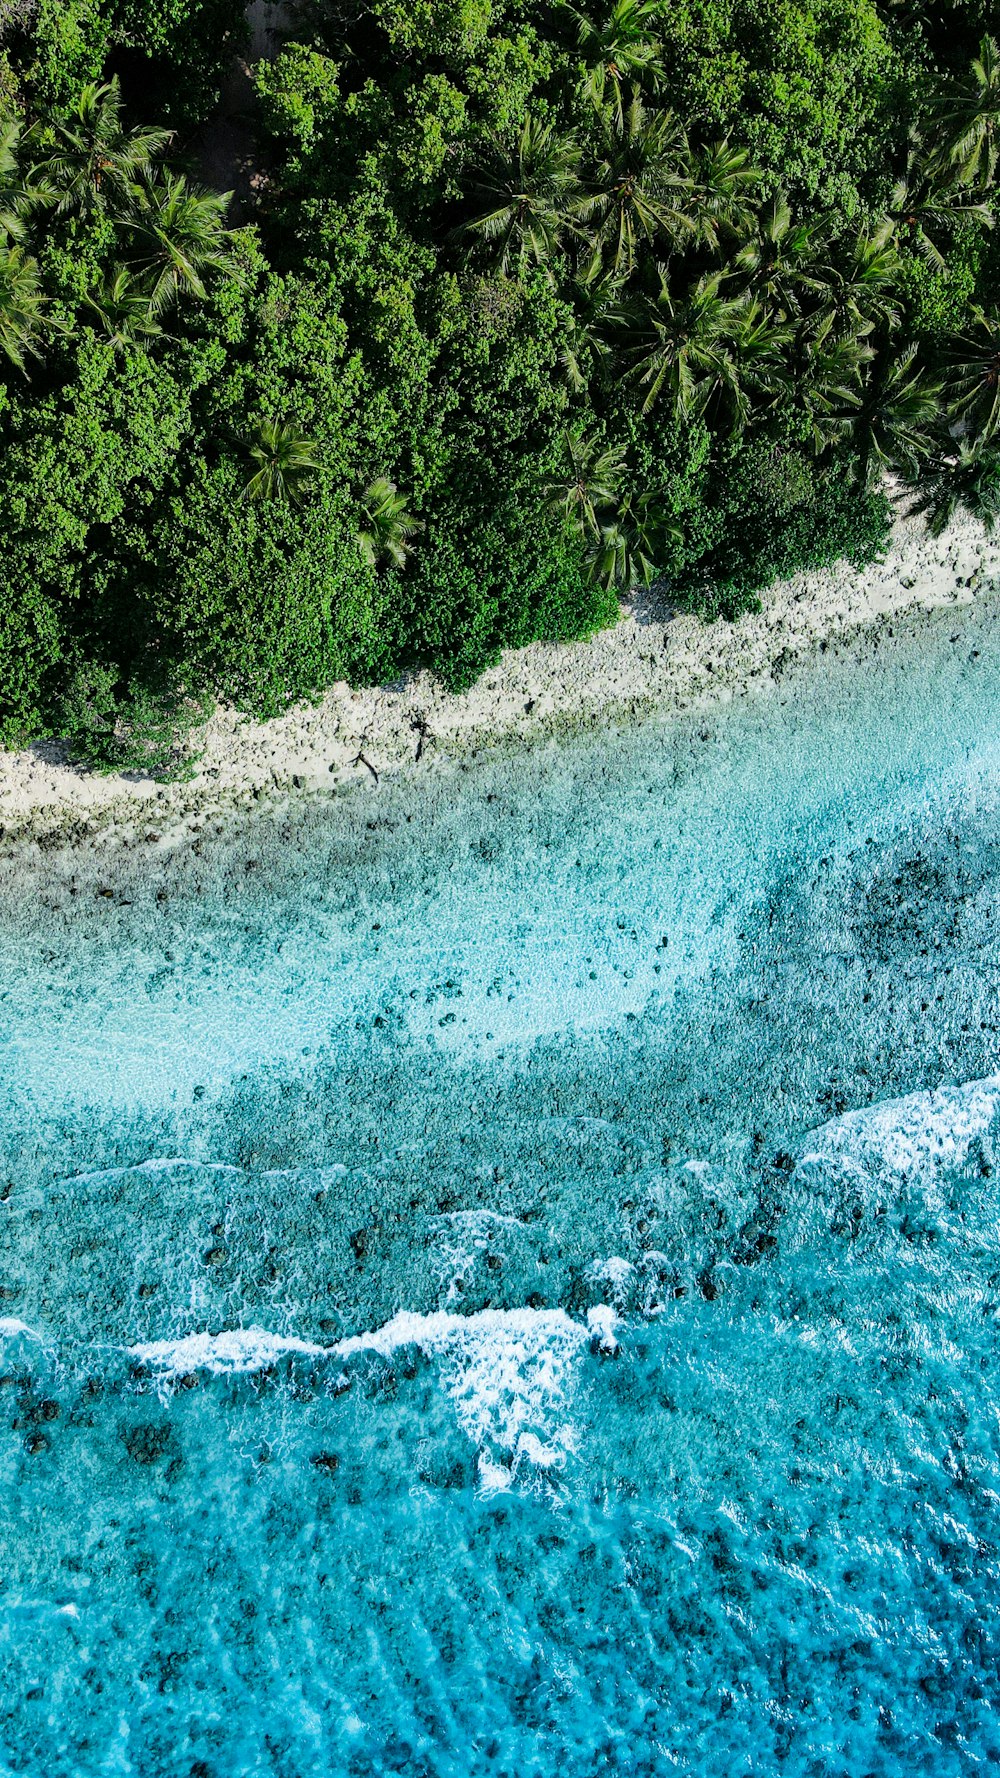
x=501 y=1272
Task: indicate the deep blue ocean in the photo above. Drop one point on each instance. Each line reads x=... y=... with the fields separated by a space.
x=500 y=1271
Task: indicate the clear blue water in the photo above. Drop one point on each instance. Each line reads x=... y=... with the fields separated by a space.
x=501 y=1273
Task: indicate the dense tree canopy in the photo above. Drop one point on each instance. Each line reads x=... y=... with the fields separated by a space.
x=528 y=301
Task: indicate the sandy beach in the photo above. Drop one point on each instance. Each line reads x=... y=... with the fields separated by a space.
x=653 y=659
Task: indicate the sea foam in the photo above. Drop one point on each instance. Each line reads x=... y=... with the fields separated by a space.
x=911 y=1140
x=509 y=1373
x=234 y=1350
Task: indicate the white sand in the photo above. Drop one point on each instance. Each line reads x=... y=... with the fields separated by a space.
x=652 y=659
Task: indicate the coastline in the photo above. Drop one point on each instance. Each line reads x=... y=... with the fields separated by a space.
x=652 y=661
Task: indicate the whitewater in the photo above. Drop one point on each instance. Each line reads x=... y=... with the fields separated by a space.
x=500 y=1271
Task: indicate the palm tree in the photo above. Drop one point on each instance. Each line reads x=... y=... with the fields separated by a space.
x=898 y=406
x=722 y=192
x=22 y=307
x=586 y=488
x=972 y=375
x=822 y=380
x=753 y=365
x=97 y=163
x=631 y=551
x=596 y=320
x=860 y=281
x=122 y=309
x=180 y=236
x=532 y=196
x=625 y=536
x=779 y=262
x=930 y=197
x=962 y=474
x=685 y=344
x=11 y=220
x=386 y=524
x=643 y=184
x=967 y=112
x=285 y=459
x=619 y=51
x=18 y=196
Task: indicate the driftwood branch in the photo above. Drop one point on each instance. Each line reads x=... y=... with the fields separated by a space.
x=360 y=760
x=421 y=729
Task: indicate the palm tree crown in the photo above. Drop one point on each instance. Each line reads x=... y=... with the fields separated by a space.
x=929 y=200
x=122 y=309
x=965 y=474
x=97 y=163
x=972 y=375
x=724 y=184
x=179 y=235
x=22 y=306
x=587 y=485
x=824 y=378
x=779 y=260
x=892 y=424
x=861 y=279
x=386 y=524
x=643 y=183
x=631 y=551
x=19 y=196
x=619 y=51
x=596 y=316
x=684 y=345
x=967 y=111
x=284 y=460
x=532 y=196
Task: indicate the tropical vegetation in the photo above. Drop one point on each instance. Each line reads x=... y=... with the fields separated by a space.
x=525 y=303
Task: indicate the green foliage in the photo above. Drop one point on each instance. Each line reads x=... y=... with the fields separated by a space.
x=436 y=127
x=146 y=728
x=939 y=294
x=194 y=32
x=540 y=302
x=804 y=82
x=300 y=98
x=67 y=47
x=506 y=580
x=178 y=49
x=450 y=29
x=501 y=84
x=776 y=516
x=77 y=469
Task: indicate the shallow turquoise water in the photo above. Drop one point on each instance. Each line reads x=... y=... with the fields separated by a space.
x=501 y=1274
